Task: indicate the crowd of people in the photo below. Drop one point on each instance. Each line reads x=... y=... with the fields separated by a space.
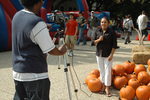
x=31 y=43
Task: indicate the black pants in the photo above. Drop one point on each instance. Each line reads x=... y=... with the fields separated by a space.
x=32 y=90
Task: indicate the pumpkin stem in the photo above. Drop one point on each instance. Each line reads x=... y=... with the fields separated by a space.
x=129 y=61
x=124 y=86
x=134 y=79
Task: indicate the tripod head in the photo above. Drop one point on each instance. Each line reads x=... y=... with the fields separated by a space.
x=59 y=33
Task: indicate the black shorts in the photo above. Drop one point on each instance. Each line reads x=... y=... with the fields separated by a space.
x=144 y=32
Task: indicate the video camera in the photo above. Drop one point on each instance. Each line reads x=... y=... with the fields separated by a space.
x=56 y=17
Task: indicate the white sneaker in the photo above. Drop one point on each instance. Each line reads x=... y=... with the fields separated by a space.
x=70 y=54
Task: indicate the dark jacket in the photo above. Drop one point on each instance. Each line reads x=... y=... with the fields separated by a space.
x=109 y=42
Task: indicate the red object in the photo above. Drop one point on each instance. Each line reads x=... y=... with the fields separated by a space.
x=148 y=39
x=43 y=14
x=137 y=38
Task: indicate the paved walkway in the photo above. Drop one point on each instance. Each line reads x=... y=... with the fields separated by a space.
x=84 y=61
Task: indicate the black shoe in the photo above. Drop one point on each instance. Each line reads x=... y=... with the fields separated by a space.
x=123 y=38
x=129 y=41
x=125 y=43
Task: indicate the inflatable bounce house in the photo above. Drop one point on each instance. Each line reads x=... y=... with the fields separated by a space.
x=8 y=8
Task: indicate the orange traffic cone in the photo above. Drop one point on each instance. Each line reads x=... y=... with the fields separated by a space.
x=137 y=38
x=148 y=39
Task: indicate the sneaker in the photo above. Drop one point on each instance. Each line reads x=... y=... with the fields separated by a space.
x=84 y=44
x=70 y=54
x=129 y=41
x=122 y=37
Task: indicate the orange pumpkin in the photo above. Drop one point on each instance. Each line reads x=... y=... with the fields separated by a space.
x=124 y=99
x=129 y=67
x=120 y=81
x=148 y=84
x=134 y=83
x=149 y=67
x=96 y=72
x=143 y=77
x=148 y=62
x=139 y=68
x=143 y=92
x=89 y=77
x=127 y=92
x=94 y=85
x=131 y=76
x=118 y=69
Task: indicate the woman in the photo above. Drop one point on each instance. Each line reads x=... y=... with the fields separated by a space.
x=106 y=42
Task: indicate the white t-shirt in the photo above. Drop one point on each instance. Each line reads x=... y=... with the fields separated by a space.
x=142 y=21
x=130 y=25
x=39 y=35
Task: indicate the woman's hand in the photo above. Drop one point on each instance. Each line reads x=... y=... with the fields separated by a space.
x=101 y=38
x=110 y=57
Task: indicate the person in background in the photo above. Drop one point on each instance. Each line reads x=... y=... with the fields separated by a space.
x=92 y=25
x=81 y=22
x=71 y=34
x=124 y=30
x=106 y=43
x=142 y=25
x=129 y=30
x=31 y=43
x=118 y=25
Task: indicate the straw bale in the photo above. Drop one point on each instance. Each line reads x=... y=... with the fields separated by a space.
x=140 y=57
x=141 y=49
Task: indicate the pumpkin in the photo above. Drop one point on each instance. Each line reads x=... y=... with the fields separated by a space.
x=148 y=84
x=149 y=67
x=118 y=69
x=129 y=67
x=124 y=99
x=134 y=83
x=139 y=68
x=120 y=81
x=143 y=92
x=127 y=92
x=143 y=77
x=94 y=85
x=131 y=76
x=89 y=77
x=96 y=72
x=148 y=62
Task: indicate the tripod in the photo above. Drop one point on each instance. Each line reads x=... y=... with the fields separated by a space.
x=66 y=63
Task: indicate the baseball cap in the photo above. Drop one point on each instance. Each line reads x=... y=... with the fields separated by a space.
x=92 y=11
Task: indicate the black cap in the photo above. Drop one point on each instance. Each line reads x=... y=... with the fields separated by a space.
x=71 y=14
x=80 y=12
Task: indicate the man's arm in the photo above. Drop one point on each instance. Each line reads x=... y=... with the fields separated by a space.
x=58 y=51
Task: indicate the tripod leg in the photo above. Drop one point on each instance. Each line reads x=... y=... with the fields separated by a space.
x=66 y=70
x=75 y=90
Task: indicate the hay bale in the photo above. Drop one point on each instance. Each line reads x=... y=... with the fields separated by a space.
x=140 y=57
x=141 y=49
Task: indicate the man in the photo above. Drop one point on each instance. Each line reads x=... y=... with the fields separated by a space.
x=92 y=25
x=81 y=22
x=30 y=44
x=129 y=29
x=71 y=34
x=124 y=30
x=142 y=25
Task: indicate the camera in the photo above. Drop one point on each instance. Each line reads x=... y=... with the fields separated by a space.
x=56 y=17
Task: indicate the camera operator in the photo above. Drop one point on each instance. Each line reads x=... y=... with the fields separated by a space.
x=30 y=44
